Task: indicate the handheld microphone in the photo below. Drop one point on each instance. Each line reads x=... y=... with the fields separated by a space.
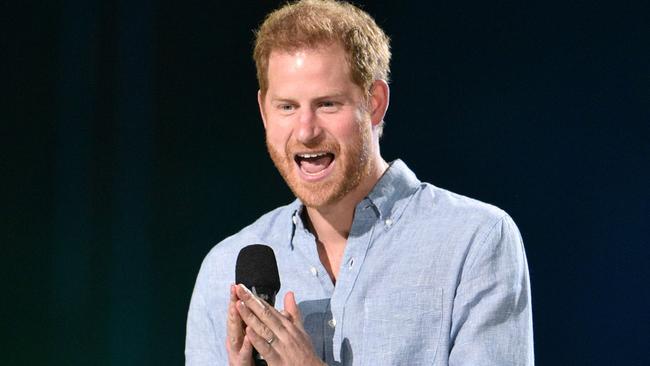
x=257 y=269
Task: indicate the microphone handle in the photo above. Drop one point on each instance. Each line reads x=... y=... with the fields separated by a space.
x=257 y=359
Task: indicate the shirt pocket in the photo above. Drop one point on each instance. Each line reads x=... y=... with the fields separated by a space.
x=403 y=327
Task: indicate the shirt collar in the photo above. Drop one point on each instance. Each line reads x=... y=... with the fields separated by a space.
x=393 y=189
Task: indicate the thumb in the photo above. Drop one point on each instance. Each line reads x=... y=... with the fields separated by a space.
x=292 y=308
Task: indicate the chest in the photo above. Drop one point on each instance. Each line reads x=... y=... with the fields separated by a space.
x=387 y=302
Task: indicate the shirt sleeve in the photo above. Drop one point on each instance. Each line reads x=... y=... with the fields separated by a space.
x=204 y=340
x=492 y=315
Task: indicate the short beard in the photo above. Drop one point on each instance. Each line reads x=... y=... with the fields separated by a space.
x=356 y=166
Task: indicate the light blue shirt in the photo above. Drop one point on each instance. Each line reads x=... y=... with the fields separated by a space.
x=428 y=277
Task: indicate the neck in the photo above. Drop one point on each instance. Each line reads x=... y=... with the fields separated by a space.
x=331 y=223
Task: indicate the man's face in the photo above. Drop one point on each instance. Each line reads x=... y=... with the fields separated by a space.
x=318 y=132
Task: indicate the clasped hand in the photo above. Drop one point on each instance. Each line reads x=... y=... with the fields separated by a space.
x=279 y=337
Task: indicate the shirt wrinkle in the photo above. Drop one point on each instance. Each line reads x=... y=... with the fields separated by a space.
x=396 y=299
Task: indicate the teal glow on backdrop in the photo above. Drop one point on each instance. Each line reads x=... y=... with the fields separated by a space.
x=132 y=144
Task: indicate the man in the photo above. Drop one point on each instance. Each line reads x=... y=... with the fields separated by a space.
x=377 y=268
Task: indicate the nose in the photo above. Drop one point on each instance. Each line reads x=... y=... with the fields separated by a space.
x=308 y=129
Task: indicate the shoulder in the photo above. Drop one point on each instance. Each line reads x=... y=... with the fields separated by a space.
x=272 y=229
x=466 y=227
x=269 y=229
x=432 y=202
x=494 y=240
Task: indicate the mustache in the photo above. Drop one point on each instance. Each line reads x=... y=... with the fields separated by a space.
x=295 y=147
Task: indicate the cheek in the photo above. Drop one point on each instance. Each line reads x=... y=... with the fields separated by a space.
x=277 y=133
x=348 y=133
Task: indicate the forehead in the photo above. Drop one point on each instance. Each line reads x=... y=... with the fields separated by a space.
x=323 y=65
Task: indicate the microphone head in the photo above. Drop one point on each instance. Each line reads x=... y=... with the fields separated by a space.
x=257 y=269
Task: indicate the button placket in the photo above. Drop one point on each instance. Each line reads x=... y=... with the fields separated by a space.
x=359 y=240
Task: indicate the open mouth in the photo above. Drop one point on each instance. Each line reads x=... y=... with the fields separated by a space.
x=314 y=164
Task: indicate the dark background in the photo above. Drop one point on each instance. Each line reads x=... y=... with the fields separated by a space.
x=131 y=144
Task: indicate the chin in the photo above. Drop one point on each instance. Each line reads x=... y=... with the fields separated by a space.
x=321 y=194
x=316 y=195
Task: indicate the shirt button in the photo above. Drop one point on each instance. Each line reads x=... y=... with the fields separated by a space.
x=313 y=271
x=294 y=218
x=388 y=222
x=332 y=323
x=351 y=262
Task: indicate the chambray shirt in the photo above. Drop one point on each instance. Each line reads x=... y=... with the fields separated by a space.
x=428 y=277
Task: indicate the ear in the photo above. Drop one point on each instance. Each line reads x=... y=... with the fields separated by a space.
x=379 y=98
x=260 y=103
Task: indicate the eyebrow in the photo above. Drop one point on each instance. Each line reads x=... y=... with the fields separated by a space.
x=282 y=100
x=335 y=95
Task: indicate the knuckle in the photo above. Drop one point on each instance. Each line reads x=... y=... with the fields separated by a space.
x=266 y=332
x=266 y=312
x=248 y=314
x=255 y=322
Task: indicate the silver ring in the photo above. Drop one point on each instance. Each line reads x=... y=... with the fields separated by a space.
x=270 y=340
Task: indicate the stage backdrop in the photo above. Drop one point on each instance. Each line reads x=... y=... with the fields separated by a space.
x=132 y=144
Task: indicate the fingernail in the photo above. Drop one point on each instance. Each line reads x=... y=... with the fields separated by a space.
x=248 y=292
x=244 y=287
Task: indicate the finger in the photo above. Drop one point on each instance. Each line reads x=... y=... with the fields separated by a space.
x=243 y=356
x=235 y=328
x=246 y=352
x=243 y=293
x=264 y=348
x=252 y=321
x=264 y=312
x=247 y=347
x=286 y=315
x=292 y=309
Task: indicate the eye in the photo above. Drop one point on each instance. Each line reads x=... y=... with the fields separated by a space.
x=329 y=106
x=286 y=108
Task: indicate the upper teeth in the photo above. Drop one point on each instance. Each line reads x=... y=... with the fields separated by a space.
x=307 y=156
